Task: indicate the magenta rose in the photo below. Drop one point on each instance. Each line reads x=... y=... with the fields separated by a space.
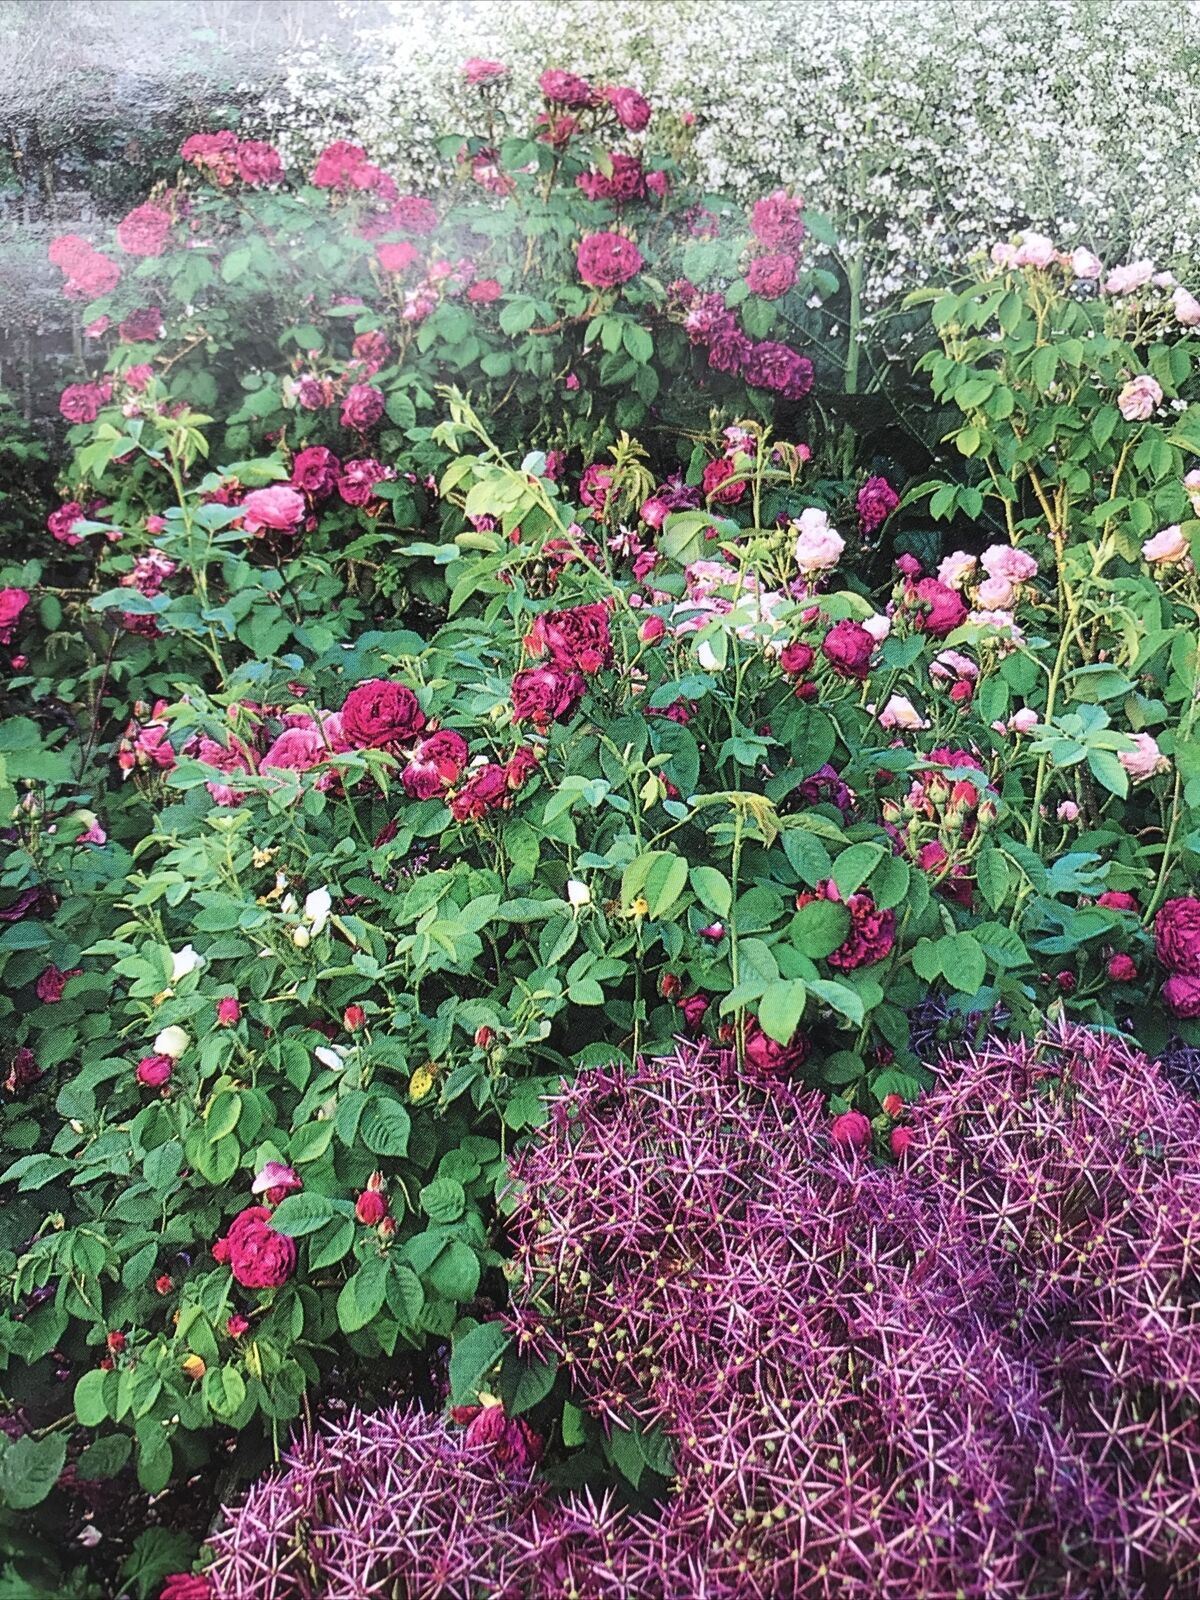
x=141 y=327
x=12 y=605
x=632 y=109
x=693 y=1009
x=279 y=509
x=576 y=640
x=1181 y=995
x=850 y=1131
x=337 y=165
x=626 y=181
x=565 y=88
x=872 y=931
x=154 y=1071
x=362 y=407
x=296 y=750
x=728 y=347
x=412 y=213
x=775 y=366
x=543 y=695
x=213 y=153
x=381 y=714
x=1177 y=935
x=396 y=257
x=315 y=471
x=715 y=481
x=847 y=647
x=259 y=1258
x=81 y=402
x=187 y=1585
x=767 y=1058
x=257 y=163
x=144 y=231
x=772 y=276
x=876 y=501
x=358 y=479
x=605 y=260
x=435 y=764
x=935 y=608
x=777 y=221
x=487 y=789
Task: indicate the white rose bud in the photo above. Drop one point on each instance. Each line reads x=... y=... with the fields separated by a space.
x=317 y=907
x=172 y=1042
x=578 y=893
x=185 y=961
x=301 y=937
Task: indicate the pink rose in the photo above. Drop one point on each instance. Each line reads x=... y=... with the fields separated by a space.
x=1125 y=280
x=12 y=604
x=956 y=569
x=1034 y=250
x=565 y=88
x=934 y=608
x=1181 y=996
x=632 y=109
x=848 y=648
x=380 y=715
x=850 y=1131
x=278 y=509
x=1186 y=308
x=257 y=163
x=154 y=1071
x=818 y=547
x=1085 y=265
x=482 y=74
x=396 y=258
x=1144 y=761
x=605 y=260
x=315 y=471
x=995 y=594
x=212 y=153
x=296 y=750
x=1177 y=935
x=772 y=276
x=434 y=765
x=777 y=221
x=901 y=713
x=543 y=695
x=259 y=1257
x=1004 y=561
x=187 y=1585
x=484 y=292
x=275 y=1182
x=337 y=165
x=358 y=479
x=1139 y=399
x=362 y=407
x=144 y=231
x=1167 y=547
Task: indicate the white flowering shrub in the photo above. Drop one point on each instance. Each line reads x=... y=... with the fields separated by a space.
x=924 y=132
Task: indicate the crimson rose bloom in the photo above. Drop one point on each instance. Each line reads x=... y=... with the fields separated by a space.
x=370 y=1208
x=154 y=1071
x=484 y=292
x=12 y=604
x=796 y=658
x=1181 y=995
x=935 y=608
x=1177 y=935
x=715 y=481
x=520 y=766
x=775 y=366
x=485 y=790
x=435 y=764
x=772 y=276
x=575 y=640
x=278 y=509
x=315 y=471
x=144 y=231
x=693 y=1009
x=337 y=165
x=626 y=181
x=358 y=479
x=543 y=695
x=141 y=327
x=81 y=402
x=847 y=647
x=362 y=407
x=259 y=1258
x=606 y=259
x=258 y=163
x=850 y=1131
x=767 y=1058
x=872 y=931
x=380 y=714
x=632 y=108
x=565 y=88
x=396 y=257
x=1118 y=900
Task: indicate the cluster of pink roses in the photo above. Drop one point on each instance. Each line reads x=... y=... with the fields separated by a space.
x=777 y=230
x=88 y=274
x=764 y=363
x=223 y=157
x=1035 y=250
x=1177 y=944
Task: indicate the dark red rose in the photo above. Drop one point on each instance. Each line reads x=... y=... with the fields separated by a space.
x=381 y=714
x=485 y=790
x=576 y=640
x=872 y=931
x=259 y=1258
x=1121 y=968
x=1177 y=935
x=522 y=764
x=543 y=695
x=693 y=1009
x=796 y=659
x=850 y=1131
x=315 y=471
x=435 y=764
x=362 y=407
x=1118 y=900
x=772 y=276
x=847 y=647
x=767 y=1058
x=51 y=983
x=186 y=1586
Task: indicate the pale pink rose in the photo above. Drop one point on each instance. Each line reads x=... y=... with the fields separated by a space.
x=956 y=569
x=1003 y=561
x=878 y=627
x=953 y=664
x=901 y=713
x=1004 y=255
x=1164 y=280
x=1023 y=721
x=995 y=594
x=818 y=546
x=1124 y=280
x=1167 y=546
x=1035 y=250
x=1002 y=621
x=1186 y=308
x=1139 y=398
x=1067 y=811
x=1084 y=264
x=1192 y=484
x=1145 y=761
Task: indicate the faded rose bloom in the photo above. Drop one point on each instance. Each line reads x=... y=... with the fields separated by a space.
x=521 y=766
x=875 y=503
x=315 y=471
x=995 y=594
x=358 y=480
x=487 y=789
x=850 y=1131
x=482 y=74
x=371 y=351
x=511 y=1441
x=275 y=1182
x=434 y=765
x=772 y=276
x=605 y=260
x=1145 y=761
x=1140 y=398
x=632 y=109
x=767 y=1058
x=362 y=407
x=1186 y=308
x=154 y=1071
x=576 y=640
x=259 y=1257
x=51 y=983
x=693 y=1010
x=144 y=231
x=1181 y=996
x=143 y=326
x=381 y=714
x=818 y=547
x=213 y=153
x=12 y=604
x=777 y=221
x=626 y=180
x=901 y=713
x=565 y=88
x=1034 y=250
x=1167 y=547
x=848 y=648
x=1177 y=934
x=872 y=931
x=1127 y=279
x=278 y=509
x=543 y=695
x=257 y=163
x=956 y=569
x=296 y=750
x=1085 y=265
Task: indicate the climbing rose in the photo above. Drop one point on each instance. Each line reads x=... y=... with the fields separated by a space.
x=81 y=402
x=1177 y=935
x=381 y=714
x=144 y=231
x=605 y=260
x=772 y=276
x=1167 y=546
x=848 y=647
x=259 y=1258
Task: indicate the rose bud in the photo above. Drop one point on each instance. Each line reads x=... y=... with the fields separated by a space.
x=714 y=931
x=229 y=1011
x=370 y=1208
x=670 y=986
x=1118 y=900
x=484 y=1037
x=899 y=1141
x=154 y=1071
x=107 y=1364
x=850 y=1131
x=116 y=1342
x=653 y=628
x=172 y=1042
x=193 y=1367
x=893 y=1104
x=236 y=1326
x=387 y=1227
x=1122 y=968
x=354 y=1018
x=164 y=1284
x=1065 y=982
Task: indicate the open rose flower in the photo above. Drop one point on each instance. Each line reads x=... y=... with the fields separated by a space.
x=362 y=407
x=434 y=764
x=1145 y=761
x=605 y=260
x=487 y=789
x=542 y=695
x=278 y=509
x=12 y=606
x=872 y=931
x=576 y=640
x=1167 y=547
x=1177 y=934
x=765 y=1057
x=258 y=1256
x=1140 y=398
x=144 y=231
x=632 y=109
x=380 y=715
x=1181 y=996
x=848 y=648
x=772 y=276
x=818 y=547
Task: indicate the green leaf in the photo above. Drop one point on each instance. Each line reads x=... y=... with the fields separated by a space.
x=712 y=889
x=443 y=1200
x=473 y=1355
x=90 y=1405
x=819 y=928
x=385 y=1127
x=29 y=1469
x=780 y=1009
x=534 y=1383
x=854 y=866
